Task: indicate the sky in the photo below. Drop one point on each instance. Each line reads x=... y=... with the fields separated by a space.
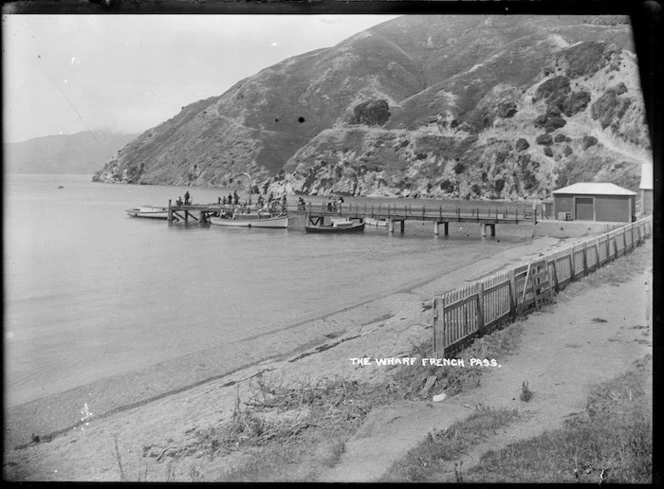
x=64 y=74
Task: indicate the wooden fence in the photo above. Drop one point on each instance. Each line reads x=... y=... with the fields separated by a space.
x=463 y=314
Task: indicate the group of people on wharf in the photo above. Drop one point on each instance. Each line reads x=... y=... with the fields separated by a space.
x=273 y=206
x=187 y=200
x=332 y=204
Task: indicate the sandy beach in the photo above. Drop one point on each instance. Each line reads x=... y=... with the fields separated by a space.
x=162 y=405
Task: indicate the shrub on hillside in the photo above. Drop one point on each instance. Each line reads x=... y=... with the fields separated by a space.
x=447 y=186
x=506 y=109
x=552 y=87
x=561 y=138
x=522 y=144
x=544 y=139
x=575 y=102
x=620 y=88
x=567 y=150
x=586 y=58
x=553 y=123
x=589 y=141
x=548 y=151
x=371 y=113
x=551 y=120
x=529 y=180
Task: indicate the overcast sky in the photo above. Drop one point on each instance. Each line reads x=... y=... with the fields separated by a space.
x=63 y=74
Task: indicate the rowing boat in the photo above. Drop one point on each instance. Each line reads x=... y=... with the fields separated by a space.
x=252 y=221
x=149 y=212
x=376 y=222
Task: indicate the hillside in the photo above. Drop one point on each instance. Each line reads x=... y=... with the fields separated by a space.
x=79 y=153
x=437 y=106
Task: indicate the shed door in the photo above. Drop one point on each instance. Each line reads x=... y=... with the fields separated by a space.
x=583 y=208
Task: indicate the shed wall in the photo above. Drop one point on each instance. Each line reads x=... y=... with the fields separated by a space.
x=562 y=203
x=646 y=201
x=613 y=208
x=607 y=208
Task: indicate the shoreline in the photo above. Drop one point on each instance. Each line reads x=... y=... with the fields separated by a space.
x=56 y=414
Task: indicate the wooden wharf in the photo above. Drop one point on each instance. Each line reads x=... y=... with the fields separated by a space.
x=393 y=214
x=184 y=212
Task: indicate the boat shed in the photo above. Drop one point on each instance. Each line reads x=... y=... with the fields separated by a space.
x=646 y=188
x=588 y=201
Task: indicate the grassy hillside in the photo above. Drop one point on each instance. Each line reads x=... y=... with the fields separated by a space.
x=439 y=106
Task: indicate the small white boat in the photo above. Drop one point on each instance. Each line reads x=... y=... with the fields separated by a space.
x=376 y=222
x=252 y=221
x=149 y=212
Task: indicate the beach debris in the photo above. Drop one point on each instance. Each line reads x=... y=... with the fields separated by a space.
x=87 y=414
x=526 y=393
x=599 y=320
x=431 y=380
x=35 y=438
x=439 y=397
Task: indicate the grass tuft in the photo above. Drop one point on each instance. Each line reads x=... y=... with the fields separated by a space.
x=526 y=393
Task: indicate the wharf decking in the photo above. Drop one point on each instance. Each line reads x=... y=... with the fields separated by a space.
x=393 y=214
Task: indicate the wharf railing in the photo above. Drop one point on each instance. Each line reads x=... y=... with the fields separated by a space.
x=461 y=315
x=422 y=213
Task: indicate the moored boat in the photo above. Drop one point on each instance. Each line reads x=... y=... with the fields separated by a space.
x=376 y=222
x=252 y=221
x=149 y=212
x=336 y=228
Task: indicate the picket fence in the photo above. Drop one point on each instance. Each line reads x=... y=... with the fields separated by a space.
x=463 y=314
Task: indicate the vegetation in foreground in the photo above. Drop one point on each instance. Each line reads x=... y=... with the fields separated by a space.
x=610 y=442
x=424 y=462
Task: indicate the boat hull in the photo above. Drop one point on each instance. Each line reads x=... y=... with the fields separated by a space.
x=280 y=222
x=376 y=222
x=355 y=228
x=148 y=212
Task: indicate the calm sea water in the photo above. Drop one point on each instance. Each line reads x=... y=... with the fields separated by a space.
x=91 y=293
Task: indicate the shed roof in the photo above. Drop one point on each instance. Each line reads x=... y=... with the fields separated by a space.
x=594 y=189
x=646 y=176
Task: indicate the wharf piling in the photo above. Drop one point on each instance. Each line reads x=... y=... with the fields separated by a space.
x=184 y=212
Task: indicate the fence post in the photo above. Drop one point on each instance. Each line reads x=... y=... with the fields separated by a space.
x=480 y=307
x=585 y=258
x=435 y=326
x=512 y=293
x=555 y=272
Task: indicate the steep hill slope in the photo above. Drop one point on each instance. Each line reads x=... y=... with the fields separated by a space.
x=79 y=153
x=459 y=106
